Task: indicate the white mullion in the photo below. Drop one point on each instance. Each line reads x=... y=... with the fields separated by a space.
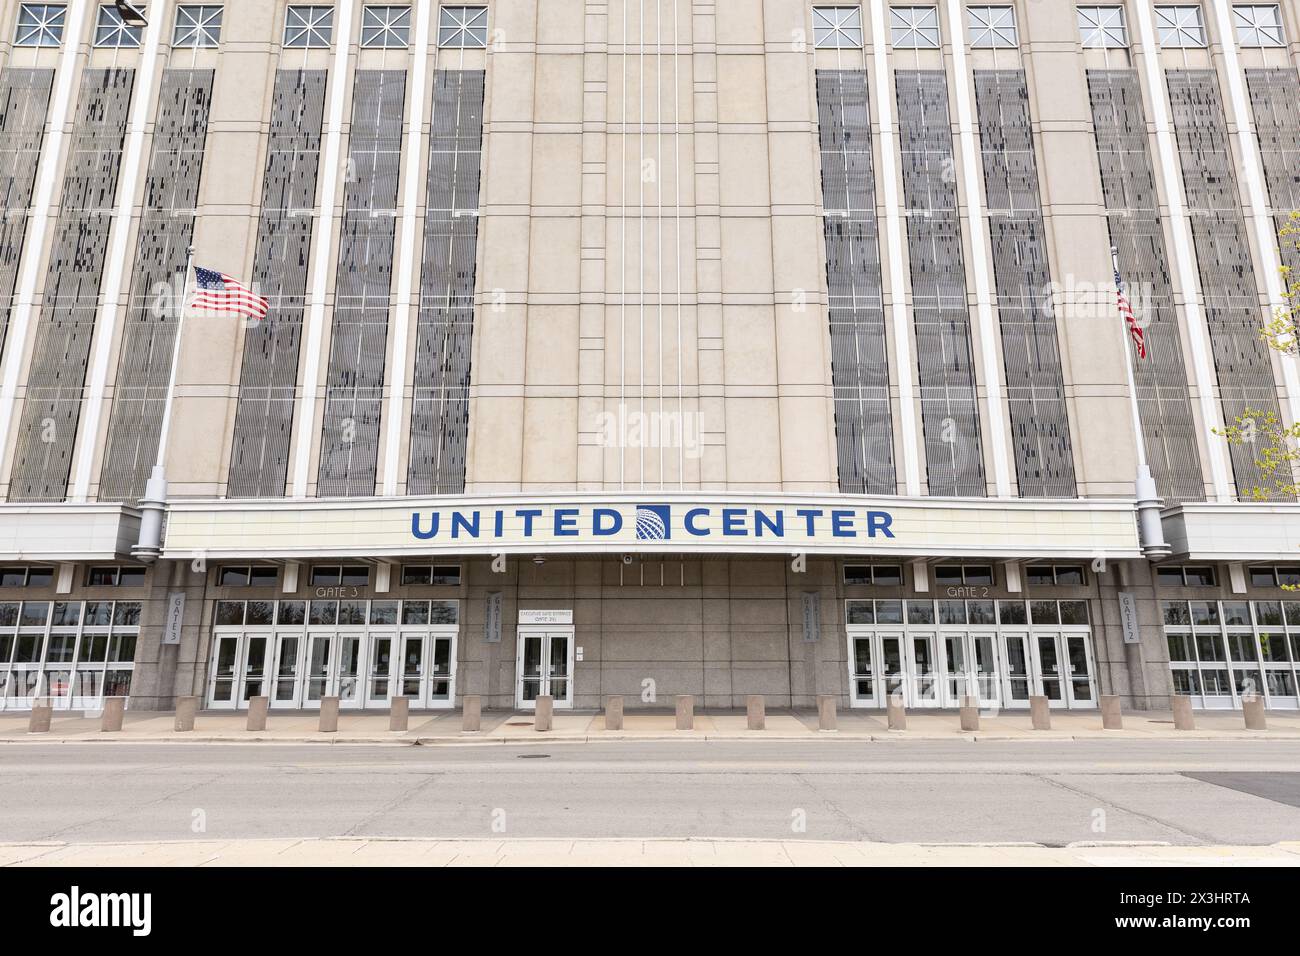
x=1180 y=231
x=408 y=266
x=47 y=174
x=116 y=265
x=321 y=259
x=993 y=399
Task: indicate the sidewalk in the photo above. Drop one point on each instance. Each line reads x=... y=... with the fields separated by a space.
x=432 y=852
x=443 y=728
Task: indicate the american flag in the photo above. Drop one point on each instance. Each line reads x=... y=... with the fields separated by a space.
x=1126 y=310
x=218 y=292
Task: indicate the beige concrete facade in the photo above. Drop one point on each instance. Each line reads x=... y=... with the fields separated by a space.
x=651 y=317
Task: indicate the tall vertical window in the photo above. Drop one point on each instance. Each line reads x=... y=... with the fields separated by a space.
x=1103 y=27
x=1180 y=26
x=308 y=27
x=40 y=24
x=111 y=31
x=914 y=28
x=197 y=25
x=992 y=27
x=462 y=28
x=385 y=28
x=837 y=28
x=1258 y=24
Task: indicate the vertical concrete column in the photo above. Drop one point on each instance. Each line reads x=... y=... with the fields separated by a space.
x=755 y=712
x=39 y=721
x=329 y=715
x=897 y=712
x=827 y=719
x=186 y=708
x=970 y=713
x=399 y=714
x=257 y=708
x=1112 y=718
x=1183 y=719
x=685 y=712
x=1040 y=715
x=545 y=710
x=1252 y=709
x=613 y=713
x=471 y=713
x=111 y=718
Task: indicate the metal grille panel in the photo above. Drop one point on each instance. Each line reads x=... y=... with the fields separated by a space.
x=1228 y=282
x=354 y=389
x=1275 y=100
x=149 y=334
x=859 y=367
x=259 y=459
x=24 y=99
x=940 y=309
x=445 y=325
x=1133 y=216
x=1031 y=355
x=61 y=348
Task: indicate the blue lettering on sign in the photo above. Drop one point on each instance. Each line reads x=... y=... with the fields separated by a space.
x=654 y=522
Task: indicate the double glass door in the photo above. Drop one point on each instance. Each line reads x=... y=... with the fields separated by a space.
x=884 y=663
x=544 y=666
x=1064 y=663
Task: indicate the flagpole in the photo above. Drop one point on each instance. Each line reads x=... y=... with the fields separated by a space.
x=1150 y=529
x=154 y=502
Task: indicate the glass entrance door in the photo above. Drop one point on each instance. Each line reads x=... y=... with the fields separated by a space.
x=923 y=677
x=864 y=682
x=1016 y=685
x=545 y=667
x=225 y=660
x=288 y=665
x=970 y=668
x=1065 y=671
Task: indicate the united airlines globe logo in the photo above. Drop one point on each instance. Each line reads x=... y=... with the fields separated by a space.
x=653 y=522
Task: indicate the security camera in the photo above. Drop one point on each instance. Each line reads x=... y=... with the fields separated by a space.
x=627 y=559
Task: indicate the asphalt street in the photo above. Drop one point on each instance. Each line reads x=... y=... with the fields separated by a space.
x=1054 y=793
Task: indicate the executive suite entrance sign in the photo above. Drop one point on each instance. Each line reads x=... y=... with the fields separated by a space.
x=674 y=523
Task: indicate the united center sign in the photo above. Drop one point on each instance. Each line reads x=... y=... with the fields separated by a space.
x=680 y=523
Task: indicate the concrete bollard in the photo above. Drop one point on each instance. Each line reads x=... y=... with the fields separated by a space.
x=257 y=708
x=471 y=713
x=1183 y=719
x=399 y=714
x=827 y=718
x=1111 y=716
x=186 y=708
x=42 y=714
x=111 y=718
x=329 y=715
x=545 y=711
x=755 y=712
x=1040 y=714
x=613 y=713
x=685 y=712
x=897 y=712
x=1252 y=709
x=970 y=713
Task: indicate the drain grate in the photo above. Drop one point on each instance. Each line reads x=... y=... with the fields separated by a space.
x=531 y=756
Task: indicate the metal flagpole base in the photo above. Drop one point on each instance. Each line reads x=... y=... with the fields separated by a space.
x=1151 y=532
x=152 y=509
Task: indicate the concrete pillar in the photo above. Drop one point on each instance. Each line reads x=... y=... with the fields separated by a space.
x=1112 y=718
x=545 y=710
x=1040 y=715
x=897 y=712
x=826 y=717
x=1183 y=719
x=257 y=708
x=970 y=713
x=1252 y=709
x=329 y=715
x=755 y=712
x=685 y=712
x=471 y=713
x=186 y=708
x=399 y=714
x=613 y=713
x=111 y=718
x=42 y=714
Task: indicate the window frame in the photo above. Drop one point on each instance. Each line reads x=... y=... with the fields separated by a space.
x=1101 y=30
x=1177 y=29
x=398 y=27
x=44 y=30
x=317 y=34
x=912 y=28
x=1243 y=30
x=206 y=20
x=116 y=28
x=465 y=29
x=839 y=22
x=986 y=28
